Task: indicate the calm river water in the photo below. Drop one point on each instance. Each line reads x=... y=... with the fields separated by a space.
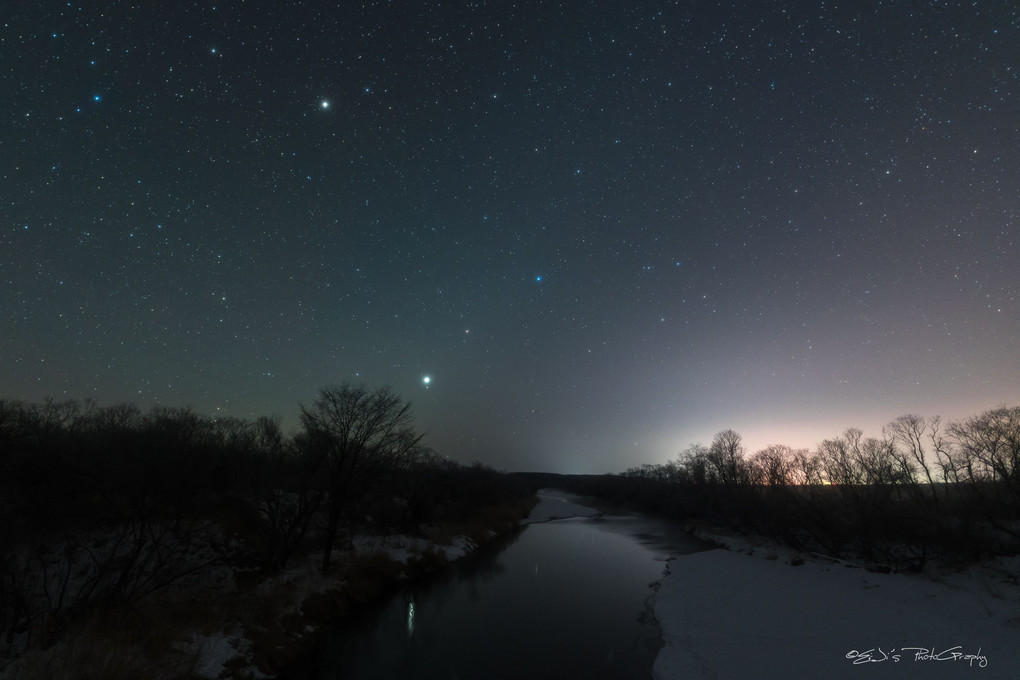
x=563 y=598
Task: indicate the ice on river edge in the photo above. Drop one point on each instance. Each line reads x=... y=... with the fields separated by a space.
x=553 y=505
x=747 y=611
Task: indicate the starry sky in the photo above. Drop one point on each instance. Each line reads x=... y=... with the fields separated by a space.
x=578 y=236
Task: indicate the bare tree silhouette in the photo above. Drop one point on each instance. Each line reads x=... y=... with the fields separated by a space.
x=360 y=435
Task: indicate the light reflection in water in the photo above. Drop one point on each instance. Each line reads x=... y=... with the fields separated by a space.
x=499 y=616
x=410 y=616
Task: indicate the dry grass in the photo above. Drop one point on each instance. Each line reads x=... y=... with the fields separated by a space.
x=85 y=660
x=480 y=525
x=156 y=640
x=120 y=644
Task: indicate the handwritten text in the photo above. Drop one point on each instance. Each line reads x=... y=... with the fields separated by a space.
x=895 y=655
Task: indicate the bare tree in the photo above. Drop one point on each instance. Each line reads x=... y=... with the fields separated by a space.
x=806 y=467
x=692 y=465
x=882 y=463
x=837 y=460
x=993 y=439
x=359 y=434
x=987 y=447
x=910 y=432
x=942 y=449
x=726 y=456
x=772 y=466
x=853 y=460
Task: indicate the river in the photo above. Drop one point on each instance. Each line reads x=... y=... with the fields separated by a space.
x=567 y=596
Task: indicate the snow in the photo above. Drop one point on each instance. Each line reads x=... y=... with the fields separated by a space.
x=215 y=651
x=460 y=546
x=554 y=504
x=401 y=548
x=397 y=547
x=727 y=614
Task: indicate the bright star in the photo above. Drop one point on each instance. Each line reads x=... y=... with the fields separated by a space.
x=426 y=381
x=324 y=104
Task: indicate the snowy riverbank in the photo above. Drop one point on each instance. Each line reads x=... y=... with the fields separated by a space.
x=756 y=610
x=554 y=504
x=747 y=612
x=248 y=625
x=370 y=567
x=751 y=611
x=309 y=600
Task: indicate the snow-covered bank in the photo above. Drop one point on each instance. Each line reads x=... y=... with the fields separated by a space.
x=757 y=610
x=554 y=504
x=727 y=614
x=242 y=623
x=307 y=600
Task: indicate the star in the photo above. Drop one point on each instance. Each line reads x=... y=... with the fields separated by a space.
x=364 y=225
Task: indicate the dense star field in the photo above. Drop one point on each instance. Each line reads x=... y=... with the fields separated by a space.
x=578 y=236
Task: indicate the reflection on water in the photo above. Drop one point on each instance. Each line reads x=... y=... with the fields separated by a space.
x=567 y=598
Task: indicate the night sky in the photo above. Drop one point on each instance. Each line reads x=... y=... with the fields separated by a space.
x=578 y=236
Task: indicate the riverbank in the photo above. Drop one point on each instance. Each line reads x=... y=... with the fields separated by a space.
x=243 y=626
x=553 y=506
x=753 y=609
x=372 y=567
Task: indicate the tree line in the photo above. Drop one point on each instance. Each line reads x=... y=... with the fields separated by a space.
x=105 y=505
x=924 y=490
